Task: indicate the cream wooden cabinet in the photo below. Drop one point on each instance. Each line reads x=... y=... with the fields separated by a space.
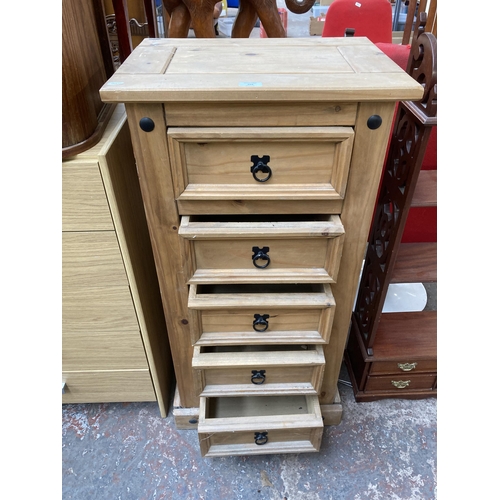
x=114 y=339
x=259 y=162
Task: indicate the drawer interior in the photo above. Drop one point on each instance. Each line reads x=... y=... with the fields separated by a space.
x=259 y=289
x=245 y=218
x=256 y=348
x=256 y=406
x=259 y=225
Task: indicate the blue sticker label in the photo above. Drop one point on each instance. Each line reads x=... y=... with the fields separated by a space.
x=250 y=84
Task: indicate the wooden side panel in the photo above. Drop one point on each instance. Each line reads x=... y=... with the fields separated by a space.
x=92 y=259
x=84 y=203
x=153 y=163
x=119 y=173
x=364 y=176
x=105 y=309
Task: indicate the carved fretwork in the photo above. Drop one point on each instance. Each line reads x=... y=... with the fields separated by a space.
x=408 y=142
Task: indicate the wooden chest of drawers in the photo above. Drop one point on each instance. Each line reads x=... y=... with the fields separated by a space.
x=259 y=162
x=114 y=345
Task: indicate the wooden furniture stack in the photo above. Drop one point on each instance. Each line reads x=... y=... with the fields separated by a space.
x=114 y=339
x=259 y=162
x=395 y=354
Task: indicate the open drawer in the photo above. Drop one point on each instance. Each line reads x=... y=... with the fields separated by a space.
x=258 y=425
x=261 y=314
x=263 y=249
x=258 y=369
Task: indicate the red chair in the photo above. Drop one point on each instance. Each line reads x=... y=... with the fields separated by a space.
x=370 y=18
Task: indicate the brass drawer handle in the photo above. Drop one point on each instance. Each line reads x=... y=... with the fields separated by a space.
x=400 y=384
x=260 y=254
x=261 y=165
x=260 y=323
x=258 y=377
x=407 y=367
x=261 y=438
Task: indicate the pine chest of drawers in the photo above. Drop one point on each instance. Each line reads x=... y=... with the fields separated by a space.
x=259 y=162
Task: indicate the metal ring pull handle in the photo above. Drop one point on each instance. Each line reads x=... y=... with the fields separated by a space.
x=260 y=323
x=261 y=165
x=258 y=377
x=261 y=438
x=260 y=254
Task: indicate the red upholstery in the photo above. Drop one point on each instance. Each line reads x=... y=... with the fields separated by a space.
x=370 y=18
x=421 y=224
x=398 y=53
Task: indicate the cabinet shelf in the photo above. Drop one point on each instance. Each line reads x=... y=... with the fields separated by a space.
x=416 y=263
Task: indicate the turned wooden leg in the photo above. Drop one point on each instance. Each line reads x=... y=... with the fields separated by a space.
x=270 y=19
x=180 y=20
x=245 y=21
x=203 y=22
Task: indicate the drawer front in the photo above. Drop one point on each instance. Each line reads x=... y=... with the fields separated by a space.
x=259 y=425
x=84 y=203
x=258 y=370
x=92 y=259
x=248 y=114
x=103 y=351
x=402 y=367
x=108 y=386
x=255 y=314
x=251 y=251
x=105 y=309
x=400 y=383
x=246 y=164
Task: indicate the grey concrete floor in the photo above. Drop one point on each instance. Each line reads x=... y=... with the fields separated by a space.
x=381 y=450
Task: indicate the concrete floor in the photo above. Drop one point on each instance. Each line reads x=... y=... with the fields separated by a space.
x=381 y=450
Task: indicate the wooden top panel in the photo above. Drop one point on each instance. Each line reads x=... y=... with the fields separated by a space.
x=290 y=69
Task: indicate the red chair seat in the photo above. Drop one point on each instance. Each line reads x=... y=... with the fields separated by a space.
x=370 y=18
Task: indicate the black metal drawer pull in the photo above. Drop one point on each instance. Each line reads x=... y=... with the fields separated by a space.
x=258 y=377
x=261 y=165
x=260 y=254
x=260 y=323
x=261 y=438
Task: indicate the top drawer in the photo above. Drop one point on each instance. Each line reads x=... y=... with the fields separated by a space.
x=260 y=170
